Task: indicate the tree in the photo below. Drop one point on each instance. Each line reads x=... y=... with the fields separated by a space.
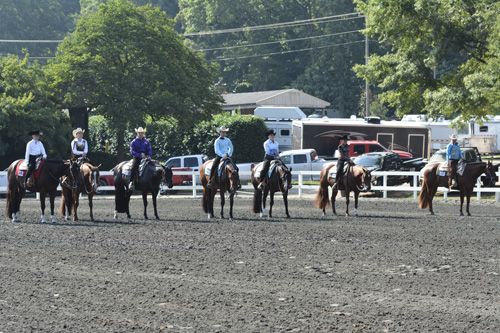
x=128 y=64
x=443 y=57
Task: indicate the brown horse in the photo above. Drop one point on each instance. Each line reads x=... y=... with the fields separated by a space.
x=228 y=181
x=466 y=183
x=358 y=179
x=280 y=180
x=47 y=183
x=88 y=181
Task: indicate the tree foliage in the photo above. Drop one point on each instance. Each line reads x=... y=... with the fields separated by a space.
x=443 y=57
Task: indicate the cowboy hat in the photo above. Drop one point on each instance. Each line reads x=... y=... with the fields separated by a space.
x=454 y=137
x=78 y=130
x=222 y=129
x=270 y=132
x=37 y=132
x=345 y=137
x=140 y=130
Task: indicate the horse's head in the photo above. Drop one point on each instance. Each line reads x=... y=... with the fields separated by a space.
x=73 y=171
x=285 y=177
x=93 y=176
x=167 y=175
x=490 y=172
x=366 y=179
x=233 y=177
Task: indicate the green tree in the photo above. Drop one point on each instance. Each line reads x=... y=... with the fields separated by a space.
x=26 y=103
x=443 y=57
x=129 y=65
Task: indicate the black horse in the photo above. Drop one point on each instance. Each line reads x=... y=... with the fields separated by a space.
x=280 y=180
x=47 y=183
x=149 y=181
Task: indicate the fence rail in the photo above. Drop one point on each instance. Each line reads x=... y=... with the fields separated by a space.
x=194 y=187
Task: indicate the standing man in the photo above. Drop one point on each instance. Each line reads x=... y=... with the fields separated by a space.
x=453 y=155
x=139 y=148
x=272 y=152
x=343 y=157
x=34 y=149
x=223 y=149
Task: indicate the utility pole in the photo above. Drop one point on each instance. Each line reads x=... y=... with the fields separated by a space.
x=367 y=87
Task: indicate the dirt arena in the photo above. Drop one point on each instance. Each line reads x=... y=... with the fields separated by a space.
x=393 y=268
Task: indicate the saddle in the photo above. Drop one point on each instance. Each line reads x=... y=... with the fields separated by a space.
x=127 y=167
x=443 y=169
x=258 y=168
x=223 y=163
x=22 y=168
x=333 y=171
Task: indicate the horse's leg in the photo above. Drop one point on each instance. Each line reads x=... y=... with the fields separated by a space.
x=145 y=202
x=213 y=192
x=334 y=195
x=155 y=194
x=76 y=202
x=231 y=202
x=285 y=200
x=52 y=196
x=347 y=193
x=91 y=205
x=222 y=202
x=42 y=206
x=264 y=197
x=468 y=202
x=271 y=203
x=356 y=196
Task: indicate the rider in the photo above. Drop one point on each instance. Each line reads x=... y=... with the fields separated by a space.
x=139 y=148
x=79 y=146
x=453 y=155
x=223 y=149
x=272 y=150
x=34 y=149
x=343 y=157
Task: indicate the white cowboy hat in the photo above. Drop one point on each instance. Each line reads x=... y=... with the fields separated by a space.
x=454 y=137
x=140 y=130
x=222 y=129
x=78 y=130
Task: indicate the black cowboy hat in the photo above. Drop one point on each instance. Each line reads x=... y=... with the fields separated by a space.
x=37 y=132
x=345 y=137
x=270 y=132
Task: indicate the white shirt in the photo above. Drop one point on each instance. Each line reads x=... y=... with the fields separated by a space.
x=34 y=148
x=272 y=148
x=75 y=142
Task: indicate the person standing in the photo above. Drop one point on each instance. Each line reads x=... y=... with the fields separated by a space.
x=139 y=149
x=272 y=152
x=34 y=149
x=453 y=155
x=223 y=150
x=344 y=152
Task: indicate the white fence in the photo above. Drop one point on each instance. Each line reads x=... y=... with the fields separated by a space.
x=195 y=188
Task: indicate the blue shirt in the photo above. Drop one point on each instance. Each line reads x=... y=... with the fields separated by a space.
x=453 y=152
x=139 y=147
x=272 y=148
x=223 y=146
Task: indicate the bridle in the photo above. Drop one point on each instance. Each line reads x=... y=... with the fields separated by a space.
x=365 y=179
x=283 y=173
x=92 y=180
x=231 y=177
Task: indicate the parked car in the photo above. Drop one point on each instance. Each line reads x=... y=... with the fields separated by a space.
x=360 y=147
x=180 y=163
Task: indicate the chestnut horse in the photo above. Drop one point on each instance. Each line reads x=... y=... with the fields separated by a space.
x=152 y=177
x=227 y=182
x=358 y=179
x=466 y=183
x=280 y=180
x=47 y=183
x=88 y=182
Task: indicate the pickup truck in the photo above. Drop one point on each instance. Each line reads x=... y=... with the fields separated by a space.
x=360 y=147
x=193 y=162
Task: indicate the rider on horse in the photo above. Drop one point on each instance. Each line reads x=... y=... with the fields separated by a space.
x=139 y=148
x=79 y=147
x=223 y=149
x=453 y=156
x=34 y=149
x=343 y=157
x=272 y=150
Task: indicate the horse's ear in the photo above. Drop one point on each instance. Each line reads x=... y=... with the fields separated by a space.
x=98 y=166
x=290 y=169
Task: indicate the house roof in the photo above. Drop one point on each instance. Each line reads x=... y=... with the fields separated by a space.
x=286 y=97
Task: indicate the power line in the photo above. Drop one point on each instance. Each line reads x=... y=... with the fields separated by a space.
x=277 y=42
x=281 y=25
x=285 y=52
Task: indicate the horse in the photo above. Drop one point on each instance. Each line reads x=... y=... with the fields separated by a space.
x=149 y=181
x=280 y=180
x=357 y=179
x=47 y=183
x=228 y=181
x=466 y=183
x=88 y=182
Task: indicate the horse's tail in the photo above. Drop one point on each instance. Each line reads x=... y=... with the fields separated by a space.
x=121 y=202
x=257 y=201
x=12 y=193
x=424 y=197
x=321 y=201
x=67 y=200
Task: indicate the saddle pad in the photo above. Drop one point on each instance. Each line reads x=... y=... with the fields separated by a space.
x=333 y=171
x=208 y=167
x=22 y=168
x=443 y=170
x=127 y=167
x=257 y=170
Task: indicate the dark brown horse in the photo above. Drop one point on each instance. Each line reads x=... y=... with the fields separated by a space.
x=228 y=181
x=466 y=183
x=149 y=182
x=88 y=181
x=47 y=183
x=357 y=179
x=280 y=180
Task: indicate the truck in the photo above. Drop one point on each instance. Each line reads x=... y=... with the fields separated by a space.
x=485 y=136
x=323 y=134
x=360 y=147
x=186 y=162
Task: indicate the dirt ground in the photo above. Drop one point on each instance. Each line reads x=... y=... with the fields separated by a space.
x=393 y=268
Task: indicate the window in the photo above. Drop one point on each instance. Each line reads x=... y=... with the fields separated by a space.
x=298 y=159
x=375 y=148
x=483 y=129
x=174 y=163
x=191 y=162
x=359 y=149
x=284 y=132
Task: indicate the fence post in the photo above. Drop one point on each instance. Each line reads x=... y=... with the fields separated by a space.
x=415 y=184
x=301 y=179
x=194 y=184
x=478 y=185
x=384 y=182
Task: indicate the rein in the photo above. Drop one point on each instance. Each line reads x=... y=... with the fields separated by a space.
x=62 y=183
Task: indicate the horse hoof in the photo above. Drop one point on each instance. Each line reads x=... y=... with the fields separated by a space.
x=115 y=217
x=129 y=217
x=157 y=219
x=146 y=218
x=462 y=214
x=356 y=215
x=288 y=216
x=67 y=218
x=92 y=220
